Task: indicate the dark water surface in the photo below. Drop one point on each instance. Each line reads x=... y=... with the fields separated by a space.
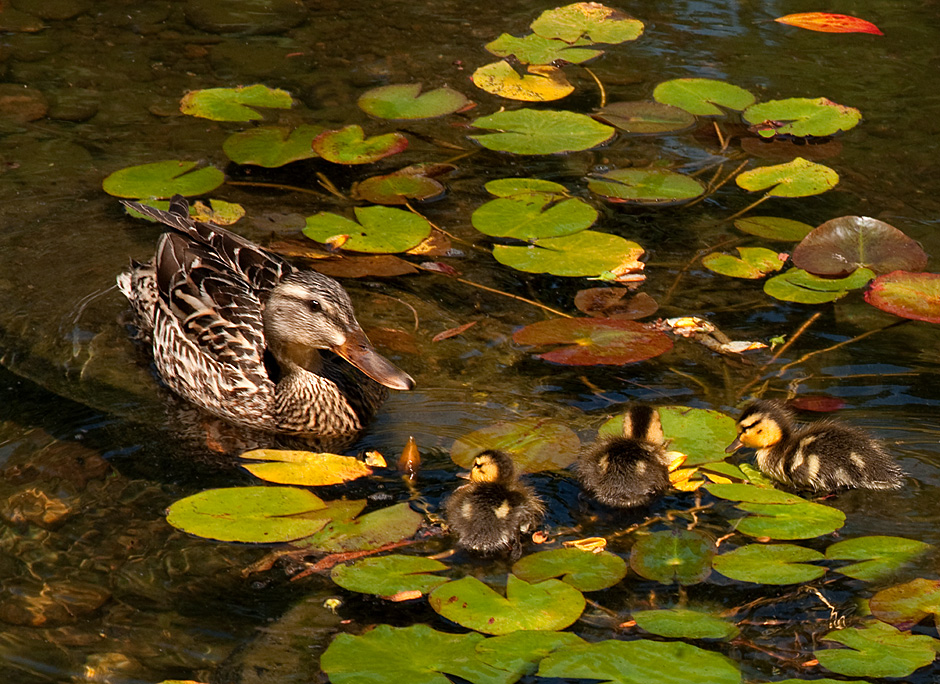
x=108 y=592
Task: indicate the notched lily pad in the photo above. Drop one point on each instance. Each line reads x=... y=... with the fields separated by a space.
x=535 y=444
x=585 y=253
x=754 y=263
x=533 y=216
x=380 y=230
x=801 y=117
x=271 y=146
x=163 y=180
x=304 y=467
x=405 y=101
x=645 y=186
x=876 y=650
x=790 y=521
x=700 y=434
x=513 y=187
x=533 y=49
x=646 y=118
x=530 y=131
x=770 y=564
x=594 y=341
x=589 y=19
x=370 y=531
x=906 y=605
x=349 y=145
x=539 y=84
x=796 y=285
x=390 y=575
x=668 y=556
x=702 y=96
x=519 y=653
x=908 y=295
x=797 y=178
x=774 y=228
x=234 y=104
x=681 y=623
x=583 y=570
x=417 y=182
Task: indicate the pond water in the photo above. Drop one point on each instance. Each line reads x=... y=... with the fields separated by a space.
x=107 y=591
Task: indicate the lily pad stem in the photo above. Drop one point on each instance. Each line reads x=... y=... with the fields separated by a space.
x=799 y=331
x=600 y=86
x=500 y=292
x=748 y=208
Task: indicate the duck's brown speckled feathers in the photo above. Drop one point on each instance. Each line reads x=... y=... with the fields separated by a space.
x=823 y=456
x=489 y=514
x=238 y=331
x=631 y=470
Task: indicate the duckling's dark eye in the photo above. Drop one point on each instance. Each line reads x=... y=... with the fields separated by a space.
x=314 y=306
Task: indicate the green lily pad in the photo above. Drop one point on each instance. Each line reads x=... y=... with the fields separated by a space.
x=754 y=262
x=163 y=180
x=271 y=146
x=234 y=104
x=405 y=101
x=801 y=117
x=415 y=654
x=533 y=49
x=797 y=178
x=535 y=444
x=540 y=83
x=380 y=230
x=519 y=653
x=511 y=187
x=416 y=182
x=583 y=570
x=824 y=680
x=645 y=186
x=683 y=556
x=594 y=341
x=531 y=131
x=370 y=531
x=585 y=253
x=548 y=605
x=533 y=216
x=589 y=19
x=796 y=285
x=876 y=650
x=248 y=514
x=641 y=662
x=770 y=564
x=790 y=521
x=349 y=145
x=908 y=295
x=773 y=228
x=304 y=468
x=646 y=118
x=879 y=556
x=906 y=605
x=751 y=494
x=680 y=623
x=839 y=246
x=700 y=434
x=702 y=96
x=389 y=575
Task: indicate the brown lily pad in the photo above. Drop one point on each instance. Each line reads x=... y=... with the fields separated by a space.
x=610 y=302
x=594 y=341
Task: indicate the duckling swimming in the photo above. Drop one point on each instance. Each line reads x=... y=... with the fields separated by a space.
x=632 y=470
x=823 y=456
x=490 y=512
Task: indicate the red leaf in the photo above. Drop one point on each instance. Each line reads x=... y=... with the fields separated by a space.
x=829 y=23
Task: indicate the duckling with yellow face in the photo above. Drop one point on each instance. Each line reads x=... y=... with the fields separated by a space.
x=628 y=471
x=823 y=456
x=492 y=511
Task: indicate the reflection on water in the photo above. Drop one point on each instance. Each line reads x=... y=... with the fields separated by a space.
x=95 y=586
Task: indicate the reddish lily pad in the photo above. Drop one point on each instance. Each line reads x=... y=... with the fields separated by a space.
x=271 y=146
x=406 y=101
x=416 y=182
x=348 y=145
x=531 y=131
x=533 y=49
x=774 y=228
x=908 y=295
x=646 y=118
x=702 y=96
x=645 y=186
x=905 y=605
x=535 y=444
x=801 y=117
x=839 y=246
x=609 y=302
x=826 y=22
x=797 y=178
x=539 y=84
x=755 y=262
x=591 y=19
x=234 y=104
x=594 y=341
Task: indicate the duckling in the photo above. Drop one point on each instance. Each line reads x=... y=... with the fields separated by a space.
x=490 y=512
x=632 y=470
x=823 y=456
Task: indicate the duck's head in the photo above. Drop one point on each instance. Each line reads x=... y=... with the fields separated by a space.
x=308 y=311
x=762 y=425
x=492 y=466
x=643 y=423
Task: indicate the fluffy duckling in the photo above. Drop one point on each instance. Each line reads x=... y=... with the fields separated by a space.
x=490 y=512
x=632 y=470
x=823 y=456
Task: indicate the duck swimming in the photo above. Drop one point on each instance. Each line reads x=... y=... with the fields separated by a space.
x=823 y=456
x=242 y=333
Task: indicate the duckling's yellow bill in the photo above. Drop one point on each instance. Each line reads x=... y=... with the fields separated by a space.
x=359 y=352
x=734 y=446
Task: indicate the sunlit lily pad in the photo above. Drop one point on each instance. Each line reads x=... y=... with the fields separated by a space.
x=535 y=444
x=748 y=493
x=519 y=653
x=668 y=556
x=876 y=650
x=530 y=131
x=390 y=575
x=271 y=146
x=797 y=178
x=646 y=118
x=773 y=227
x=754 y=262
x=702 y=96
x=379 y=229
x=248 y=514
x=533 y=216
x=304 y=467
x=416 y=182
x=790 y=521
x=681 y=623
x=533 y=49
x=539 y=84
x=349 y=145
x=405 y=101
x=796 y=285
x=801 y=117
x=611 y=302
x=594 y=341
x=640 y=662
x=548 y=605
x=906 y=605
x=589 y=19
x=908 y=295
x=585 y=253
x=583 y=570
x=770 y=564
x=700 y=434
x=370 y=531
x=645 y=185
x=878 y=556
x=512 y=187
x=839 y=246
x=234 y=104
x=163 y=180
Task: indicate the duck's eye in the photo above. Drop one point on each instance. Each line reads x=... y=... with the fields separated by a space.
x=314 y=306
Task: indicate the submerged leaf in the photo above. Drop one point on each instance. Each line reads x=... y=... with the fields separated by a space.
x=593 y=341
x=797 y=178
x=535 y=444
x=877 y=650
x=646 y=118
x=349 y=145
x=530 y=131
x=839 y=246
x=585 y=253
x=583 y=570
x=609 y=302
x=540 y=84
x=908 y=295
x=770 y=564
x=590 y=19
x=234 y=104
x=683 y=556
x=405 y=101
x=702 y=96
